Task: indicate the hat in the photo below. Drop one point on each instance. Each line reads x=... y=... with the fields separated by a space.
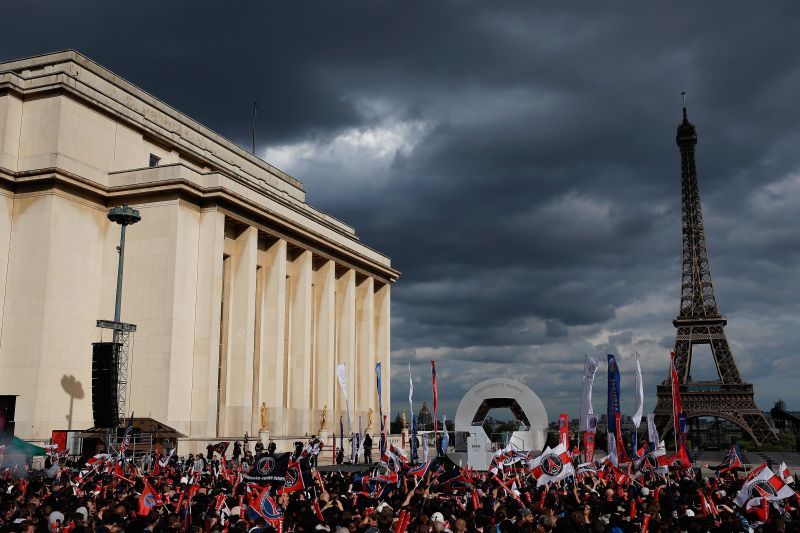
x=689 y=512
x=83 y=511
x=524 y=512
x=437 y=517
x=645 y=491
x=55 y=515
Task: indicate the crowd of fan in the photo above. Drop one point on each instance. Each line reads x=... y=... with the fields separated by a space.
x=75 y=498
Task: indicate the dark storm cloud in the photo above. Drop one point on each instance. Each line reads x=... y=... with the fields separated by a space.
x=517 y=161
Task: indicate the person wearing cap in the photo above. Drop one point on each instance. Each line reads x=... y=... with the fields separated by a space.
x=439 y=523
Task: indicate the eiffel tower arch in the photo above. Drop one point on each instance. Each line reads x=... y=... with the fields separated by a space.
x=700 y=322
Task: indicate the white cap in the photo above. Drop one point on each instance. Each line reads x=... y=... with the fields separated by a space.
x=83 y=511
x=689 y=512
x=56 y=515
x=437 y=517
x=645 y=491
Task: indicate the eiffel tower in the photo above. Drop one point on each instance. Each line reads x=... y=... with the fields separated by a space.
x=700 y=322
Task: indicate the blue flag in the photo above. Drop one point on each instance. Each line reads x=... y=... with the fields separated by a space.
x=613 y=393
x=414 y=445
x=378 y=384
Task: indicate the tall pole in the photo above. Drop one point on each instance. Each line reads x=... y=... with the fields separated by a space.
x=120 y=267
x=255 y=115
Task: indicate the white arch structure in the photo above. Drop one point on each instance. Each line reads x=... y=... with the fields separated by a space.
x=498 y=393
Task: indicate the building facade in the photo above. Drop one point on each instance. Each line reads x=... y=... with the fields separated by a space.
x=241 y=291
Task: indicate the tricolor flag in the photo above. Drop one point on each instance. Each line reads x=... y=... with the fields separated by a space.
x=553 y=465
x=765 y=485
x=420 y=470
x=732 y=461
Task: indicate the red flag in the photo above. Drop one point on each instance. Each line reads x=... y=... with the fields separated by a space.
x=148 y=500
x=435 y=397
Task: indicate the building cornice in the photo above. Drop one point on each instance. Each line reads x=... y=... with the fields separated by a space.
x=235 y=204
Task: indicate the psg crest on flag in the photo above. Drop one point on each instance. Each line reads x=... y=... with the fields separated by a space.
x=649 y=463
x=762 y=489
x=551 y=465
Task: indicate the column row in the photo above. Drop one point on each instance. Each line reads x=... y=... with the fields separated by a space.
x=283 y=319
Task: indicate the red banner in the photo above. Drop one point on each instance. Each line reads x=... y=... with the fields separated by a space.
x=677 y=403
x=563 y=429
x=59 y=438
x=588 y=446
x=622 y=455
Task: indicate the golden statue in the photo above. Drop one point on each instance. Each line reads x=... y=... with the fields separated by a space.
x=403 y=418
x=264 y=419
x=369 y=419
x=323 y=419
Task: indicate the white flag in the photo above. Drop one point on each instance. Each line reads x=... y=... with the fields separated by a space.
x=590 y=366
x=410 y=393
x=612 y=449
x=341 y=375
x=652 y=432
x=424 y=447
x=637 y=416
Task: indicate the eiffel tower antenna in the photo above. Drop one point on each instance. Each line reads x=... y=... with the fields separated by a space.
x=700 y=322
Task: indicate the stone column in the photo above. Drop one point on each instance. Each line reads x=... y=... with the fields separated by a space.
x=273 y=326
x=324 y=373
x=239 y=387
x=383 y=341
x=365 y=393
x=205 y=370
x=300 y=345
x=345 y=338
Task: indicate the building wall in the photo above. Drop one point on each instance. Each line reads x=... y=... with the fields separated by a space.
x=241 y=293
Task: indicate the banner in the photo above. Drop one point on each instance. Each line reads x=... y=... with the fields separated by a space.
x=410 y=393
x=435 y=397
x=360 y=438
x=590 y=366
x=445 y=436
x=622 y=455
x=341 y=375
x=652 y=432
x=563 y=429
x=677 y=403
x=378 y=385
x=613 y=393
x=341 y=434
x=414 y=443
x=425 y=447
x=637 y=416
x=588 y=446
x=269 y=468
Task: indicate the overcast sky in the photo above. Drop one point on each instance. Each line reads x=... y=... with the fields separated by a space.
x=517 y=162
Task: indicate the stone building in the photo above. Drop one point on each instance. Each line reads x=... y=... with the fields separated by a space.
x=241 y=291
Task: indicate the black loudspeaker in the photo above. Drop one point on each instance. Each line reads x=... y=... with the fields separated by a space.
x=8 y=405
x=104 y=384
